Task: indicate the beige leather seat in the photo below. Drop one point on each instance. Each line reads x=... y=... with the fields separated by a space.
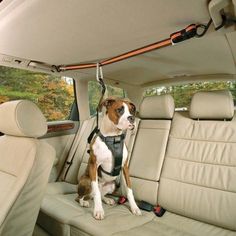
x=199 y=172
x=197 y=184
x=25 y=164
x=61 y=215
x=196 y=187
x=150 y=145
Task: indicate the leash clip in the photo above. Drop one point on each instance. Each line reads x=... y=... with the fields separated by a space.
x=99 y=77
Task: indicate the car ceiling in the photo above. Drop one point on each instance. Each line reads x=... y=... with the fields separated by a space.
x=77 y=31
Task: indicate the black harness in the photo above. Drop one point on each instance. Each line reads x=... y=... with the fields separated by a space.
x=116 y=145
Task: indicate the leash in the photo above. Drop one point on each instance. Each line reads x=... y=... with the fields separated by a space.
x=191 y=31
x=99 y=77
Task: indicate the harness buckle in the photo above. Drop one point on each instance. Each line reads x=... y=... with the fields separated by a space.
x=117 y=167
x=117 y=139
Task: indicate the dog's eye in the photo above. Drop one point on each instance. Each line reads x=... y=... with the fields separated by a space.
x=120 y=110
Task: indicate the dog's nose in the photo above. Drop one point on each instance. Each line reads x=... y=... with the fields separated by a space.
x=131 y=119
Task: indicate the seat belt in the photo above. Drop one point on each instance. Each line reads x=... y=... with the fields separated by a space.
x=73 y=149
x=130 y=139
x=129 y=142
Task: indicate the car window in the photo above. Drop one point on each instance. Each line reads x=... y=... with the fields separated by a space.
x=94 y=90
x=183 y=93
x=54 y=95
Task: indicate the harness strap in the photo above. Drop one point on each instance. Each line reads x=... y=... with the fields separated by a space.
x=116 y=145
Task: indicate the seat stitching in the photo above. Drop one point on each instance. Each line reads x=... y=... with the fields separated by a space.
x=202 y=140
x=207 y=163
x=198 y=185
x=6 y=172
x=135 y=226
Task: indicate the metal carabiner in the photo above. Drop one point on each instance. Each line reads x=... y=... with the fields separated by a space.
x=99 y=77
x=204 y=27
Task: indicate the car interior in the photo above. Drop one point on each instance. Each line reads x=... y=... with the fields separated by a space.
x=174 y=59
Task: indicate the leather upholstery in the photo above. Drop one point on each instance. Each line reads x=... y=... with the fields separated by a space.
x=157 y=107
x=212 y=105
x=199 y=172
x=25 y=165
x=22 y=118
x=196 y=181
x=147 y=158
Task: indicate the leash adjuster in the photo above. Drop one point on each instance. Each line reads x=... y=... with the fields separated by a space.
x=184 y=34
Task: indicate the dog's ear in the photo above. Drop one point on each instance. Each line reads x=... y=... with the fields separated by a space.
x=107 y=102
x=132 y=108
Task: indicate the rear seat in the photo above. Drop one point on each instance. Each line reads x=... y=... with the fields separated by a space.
x=197 y=184
x=199 y=172
x=59 y=210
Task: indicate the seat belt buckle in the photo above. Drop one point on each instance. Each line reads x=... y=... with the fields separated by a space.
x=117 y=139
x=145 y=206
x=122 y=200
x=159 y=211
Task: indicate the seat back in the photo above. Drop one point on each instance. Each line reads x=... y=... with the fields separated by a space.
x=81 y=155
x=199 y=172
x=150 y=146
x=25 y=164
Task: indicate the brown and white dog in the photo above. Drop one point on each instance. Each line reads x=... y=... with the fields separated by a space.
x=119 y=116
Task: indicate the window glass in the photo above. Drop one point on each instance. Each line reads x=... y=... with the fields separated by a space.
x=95 y=93
x=54 y=95
x=183 y=93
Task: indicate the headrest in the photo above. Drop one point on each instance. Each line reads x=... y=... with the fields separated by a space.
x=22 y=118
x=212 y=105
x=157 y=107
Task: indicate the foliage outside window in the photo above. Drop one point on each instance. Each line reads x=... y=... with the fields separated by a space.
x=54 y=95
x=183 y=93
x=95 y=94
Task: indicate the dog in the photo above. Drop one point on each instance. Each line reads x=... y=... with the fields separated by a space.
x=97 y=181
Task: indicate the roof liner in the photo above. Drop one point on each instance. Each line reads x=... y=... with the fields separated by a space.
x=77 y=31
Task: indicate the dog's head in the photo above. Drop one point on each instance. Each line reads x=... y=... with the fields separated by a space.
x=121 y=112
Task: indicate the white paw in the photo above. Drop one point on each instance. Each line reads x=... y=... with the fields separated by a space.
x=83 y=203
x=136 y=211
x=98 y=214
x=109 y=201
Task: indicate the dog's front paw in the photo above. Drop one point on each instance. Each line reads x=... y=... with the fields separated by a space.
x=136 y=211
x=109 y=201
x=84 y=203
x=98 y=214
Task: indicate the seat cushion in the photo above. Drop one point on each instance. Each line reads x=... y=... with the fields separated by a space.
x=61 y=188
x=175 y=225
x=61 y=215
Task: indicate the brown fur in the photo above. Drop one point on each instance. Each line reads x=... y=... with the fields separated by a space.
x=84 y=186
x=112 y=104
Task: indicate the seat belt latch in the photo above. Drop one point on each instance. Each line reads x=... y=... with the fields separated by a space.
x=159 y=211
x=122 y=200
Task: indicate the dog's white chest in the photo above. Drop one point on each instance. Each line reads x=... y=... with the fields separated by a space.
x=104 y=156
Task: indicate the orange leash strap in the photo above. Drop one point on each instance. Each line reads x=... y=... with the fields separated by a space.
x=179 y=36
x=148 y=48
